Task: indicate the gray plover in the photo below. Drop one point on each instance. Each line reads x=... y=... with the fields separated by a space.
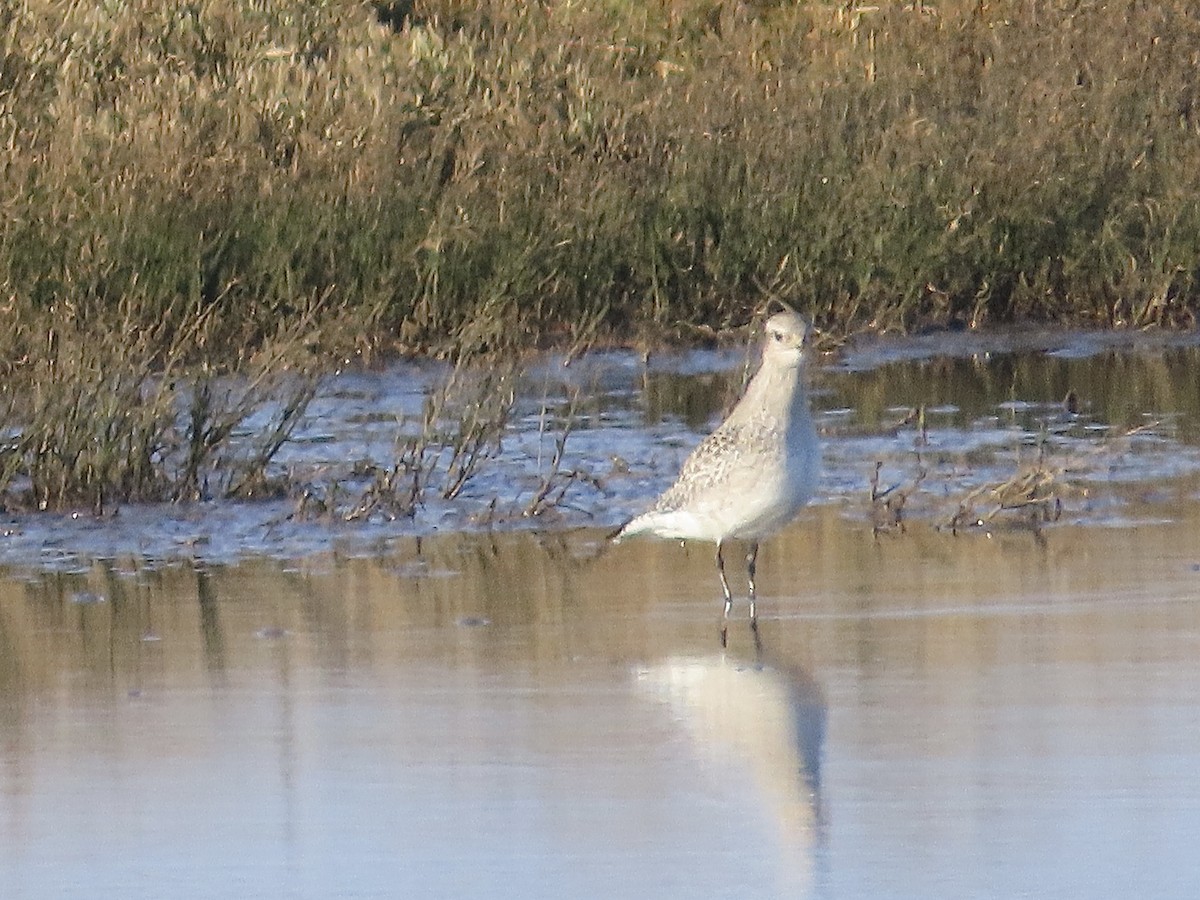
x=750 y=477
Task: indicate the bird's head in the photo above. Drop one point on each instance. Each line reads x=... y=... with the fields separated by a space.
x=787 y=335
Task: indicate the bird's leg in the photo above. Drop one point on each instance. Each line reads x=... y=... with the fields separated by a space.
x=751 y=566
x=725 y=590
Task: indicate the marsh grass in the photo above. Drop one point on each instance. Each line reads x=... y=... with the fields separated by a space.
x=463 y=429
x=186 y=187
x=889 y=504
x=1042 y=483
x=556 y=479
x=457 y=174
x=462 y=426
x=97 y=419
x=1032 y=496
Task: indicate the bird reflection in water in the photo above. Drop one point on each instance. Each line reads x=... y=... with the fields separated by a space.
x=764 y=719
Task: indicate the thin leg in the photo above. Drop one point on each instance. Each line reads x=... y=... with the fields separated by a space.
x=725 y=591
x=751 y=567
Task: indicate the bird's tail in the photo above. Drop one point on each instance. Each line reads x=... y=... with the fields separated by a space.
x=618 y=533
x=663 y=523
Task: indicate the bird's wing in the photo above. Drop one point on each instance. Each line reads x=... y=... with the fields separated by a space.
x=732 y=452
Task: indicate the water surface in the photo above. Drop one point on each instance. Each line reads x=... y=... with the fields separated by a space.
x=991 y=407
x=928 y=716
x=224 y=700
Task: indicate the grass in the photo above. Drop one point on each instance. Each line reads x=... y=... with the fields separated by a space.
x=453 y=175
x=1042 y=482
x=462 y=426
x=242 y=191
x=105 y=417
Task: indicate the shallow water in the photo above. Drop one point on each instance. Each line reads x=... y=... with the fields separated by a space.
x=509 y=715
x=993 y=405
x=217 y=700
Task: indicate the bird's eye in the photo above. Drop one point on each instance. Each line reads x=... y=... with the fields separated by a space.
x=778 y=335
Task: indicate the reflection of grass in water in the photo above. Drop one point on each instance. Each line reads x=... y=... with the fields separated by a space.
x=1116 y=387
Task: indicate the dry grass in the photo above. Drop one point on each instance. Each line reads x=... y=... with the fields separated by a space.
x=462 y=425
x=1041 y=485
x=117 y=414
x=1032 y=496
x=186 y=188
x=475 y=174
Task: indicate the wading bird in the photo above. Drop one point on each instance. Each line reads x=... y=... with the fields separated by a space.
x=750 y=477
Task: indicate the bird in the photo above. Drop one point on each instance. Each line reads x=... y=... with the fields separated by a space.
x=751 y=476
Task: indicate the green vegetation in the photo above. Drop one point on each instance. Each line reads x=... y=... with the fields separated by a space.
x=470 y=173
x=236 y=188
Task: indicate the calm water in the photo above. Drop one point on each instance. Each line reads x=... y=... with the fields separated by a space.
x=928 y=717
x=281 y=710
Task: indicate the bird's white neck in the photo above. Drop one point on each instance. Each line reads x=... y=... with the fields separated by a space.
x=777 y=392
